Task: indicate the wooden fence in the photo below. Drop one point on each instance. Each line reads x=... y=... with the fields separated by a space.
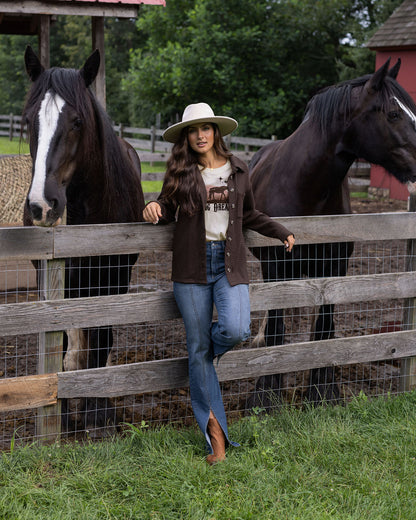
x=151 y=148
x=145 y=138
x=55 y=314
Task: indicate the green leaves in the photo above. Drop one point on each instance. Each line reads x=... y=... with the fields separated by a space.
x=256 y=60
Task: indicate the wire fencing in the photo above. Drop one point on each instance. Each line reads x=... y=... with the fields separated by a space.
x=144 y=377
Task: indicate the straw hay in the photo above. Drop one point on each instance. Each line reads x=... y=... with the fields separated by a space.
x=15 y=177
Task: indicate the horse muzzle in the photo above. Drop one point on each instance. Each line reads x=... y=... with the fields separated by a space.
x=45 y=216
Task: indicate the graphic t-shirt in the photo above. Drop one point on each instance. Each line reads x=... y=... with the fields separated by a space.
x=216 y=209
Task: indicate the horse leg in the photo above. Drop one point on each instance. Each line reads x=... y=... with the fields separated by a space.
x=322 y=381
x=99 y=416
x=76 y=358
x=268 y=388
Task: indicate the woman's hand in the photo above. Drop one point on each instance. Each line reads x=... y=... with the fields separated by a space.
x=152 y=212
x=289 y=243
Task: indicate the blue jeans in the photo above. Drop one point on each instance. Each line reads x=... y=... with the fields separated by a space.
x=207 y=340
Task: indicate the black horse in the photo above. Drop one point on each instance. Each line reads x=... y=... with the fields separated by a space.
x=372 y=118
x=79 y=164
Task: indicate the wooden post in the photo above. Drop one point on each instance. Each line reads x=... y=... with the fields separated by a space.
x=51 y=285
x=11 y=127
x=152 y=138
x=98 y=43
x=44 y=40
x=408 y=365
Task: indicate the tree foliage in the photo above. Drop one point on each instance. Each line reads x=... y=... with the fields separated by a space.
x=259 y=61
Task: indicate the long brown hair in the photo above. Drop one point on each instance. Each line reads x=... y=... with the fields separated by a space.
x=183 y=175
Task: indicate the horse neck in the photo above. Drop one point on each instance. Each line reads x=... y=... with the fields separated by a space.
x=321 y=153
x=87 y=197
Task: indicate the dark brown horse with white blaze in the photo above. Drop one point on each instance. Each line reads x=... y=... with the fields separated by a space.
x=371 y=118
x=80 y=164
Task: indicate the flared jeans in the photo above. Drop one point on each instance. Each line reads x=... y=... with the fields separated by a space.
x=207 y=340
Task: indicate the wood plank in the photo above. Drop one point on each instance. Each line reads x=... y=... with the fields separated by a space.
x=342 y=228
x=135 y=378
x=153 y=176
x=338 y=290
x=34 y=317
x=50 y=315
x=133 y=237
x=154 y=376
x=28 y=392
x=113 y=10
x=408 y=366
x=30 y=243
x=50 y=355
x=117 y=238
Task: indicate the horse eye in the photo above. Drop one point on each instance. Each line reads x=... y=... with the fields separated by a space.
x=393 y=116
x=77 y=124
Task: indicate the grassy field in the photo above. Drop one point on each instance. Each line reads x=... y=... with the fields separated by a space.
x=345 y=463
x=8 y=147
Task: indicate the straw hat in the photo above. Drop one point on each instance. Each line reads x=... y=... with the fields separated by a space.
x=199 y=113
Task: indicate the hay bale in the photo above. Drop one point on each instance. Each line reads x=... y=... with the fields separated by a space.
x=15 y=178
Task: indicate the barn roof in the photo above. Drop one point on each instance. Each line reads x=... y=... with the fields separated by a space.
x=23 y=17
x=399 y=30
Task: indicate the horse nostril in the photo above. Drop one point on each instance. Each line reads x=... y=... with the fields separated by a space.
x=35 y=210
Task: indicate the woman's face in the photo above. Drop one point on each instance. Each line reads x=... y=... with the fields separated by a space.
x=201 y=137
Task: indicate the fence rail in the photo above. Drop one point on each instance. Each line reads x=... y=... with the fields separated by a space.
x=54 y=315
x=145 y=139
x=151 y=148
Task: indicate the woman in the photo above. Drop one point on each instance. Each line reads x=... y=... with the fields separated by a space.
x=207 y=191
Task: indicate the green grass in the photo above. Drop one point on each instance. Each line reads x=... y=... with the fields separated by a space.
x=344 y=463
x=8 y=147
x=13 y=147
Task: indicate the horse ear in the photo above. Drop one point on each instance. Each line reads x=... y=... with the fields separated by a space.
x=33 y=65
x=394 y=71
x=375 y=82
x=90 y=69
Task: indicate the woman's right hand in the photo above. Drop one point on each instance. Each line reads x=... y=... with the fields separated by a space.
x=152 y=212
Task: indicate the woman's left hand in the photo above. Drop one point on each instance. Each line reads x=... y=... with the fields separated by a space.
x=289 y=243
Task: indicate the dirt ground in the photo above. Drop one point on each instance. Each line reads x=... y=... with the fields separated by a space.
x=18 y=356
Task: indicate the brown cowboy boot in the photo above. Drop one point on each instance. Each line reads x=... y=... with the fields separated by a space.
x=217 y=440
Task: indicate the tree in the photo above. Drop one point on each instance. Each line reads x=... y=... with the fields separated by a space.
x=257 y=60
x=13 y=77
x=70 y=45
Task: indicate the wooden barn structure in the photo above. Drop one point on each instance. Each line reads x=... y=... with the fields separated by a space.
x=33 y=17
x=396 y=39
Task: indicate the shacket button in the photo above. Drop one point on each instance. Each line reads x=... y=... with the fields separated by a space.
x=228 y=253
x=229 y=269
x=233 y=206
x=232 y=222
x=229 y=238
x=232 y=189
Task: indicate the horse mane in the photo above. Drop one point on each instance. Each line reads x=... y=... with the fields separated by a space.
x=328 y=103
x=101 y=146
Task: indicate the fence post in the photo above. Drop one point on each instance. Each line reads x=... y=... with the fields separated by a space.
x=152 y=141
x=51 y=287
x=408 y=365
x=11 y=127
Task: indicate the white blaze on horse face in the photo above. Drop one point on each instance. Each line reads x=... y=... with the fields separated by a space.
x=406 y=110
x=49 y=112
x=411 y=186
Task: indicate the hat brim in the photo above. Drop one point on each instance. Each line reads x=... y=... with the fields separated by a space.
x=225 y=124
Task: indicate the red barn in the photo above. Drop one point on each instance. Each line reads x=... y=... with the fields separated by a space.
x=396 y=39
